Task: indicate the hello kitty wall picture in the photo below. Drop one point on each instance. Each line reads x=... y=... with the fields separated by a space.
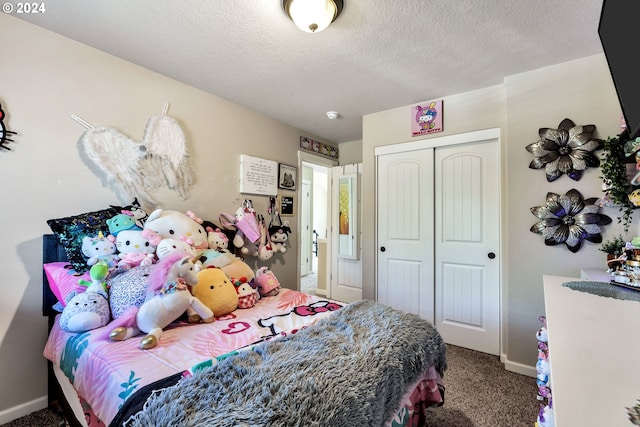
x=287 y=177
x=427 y=119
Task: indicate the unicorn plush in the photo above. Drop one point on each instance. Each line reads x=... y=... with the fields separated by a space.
x=168 y=297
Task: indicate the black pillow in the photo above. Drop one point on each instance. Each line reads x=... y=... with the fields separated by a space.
x=71 y=230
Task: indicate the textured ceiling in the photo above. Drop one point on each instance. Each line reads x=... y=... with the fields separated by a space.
x=378 y=54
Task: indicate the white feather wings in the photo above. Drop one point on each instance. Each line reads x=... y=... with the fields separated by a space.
x=136 y=168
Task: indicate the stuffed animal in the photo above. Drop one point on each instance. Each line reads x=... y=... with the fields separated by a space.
x=214 y=258
x=238 y=268
x=265 y=250
x=89 y=309
x=133 y=210
x=278 y=231
x=168 y=246
x=217 y=239
x=247 y=293
x=216 y=291
x=168 y=297
x=542 y=336
x=268 y=284
x=176 y=225
x=543 y=369
x=97 y=248
x=135 y=249
x=545 y=416
x=121 y=222
x=279 y=240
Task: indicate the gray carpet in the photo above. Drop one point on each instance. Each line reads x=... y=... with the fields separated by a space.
x=479 y=392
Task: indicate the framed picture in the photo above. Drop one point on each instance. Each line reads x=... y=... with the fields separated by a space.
x=287 y=177
x=287 y=205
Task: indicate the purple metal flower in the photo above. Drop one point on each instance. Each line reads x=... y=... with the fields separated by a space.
x=569 y=219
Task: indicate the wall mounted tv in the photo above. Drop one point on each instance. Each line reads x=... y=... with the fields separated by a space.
x=618 y=31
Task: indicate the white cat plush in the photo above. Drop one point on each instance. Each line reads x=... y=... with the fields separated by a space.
x=177 y=225
x=135 y=249
x=169 y=246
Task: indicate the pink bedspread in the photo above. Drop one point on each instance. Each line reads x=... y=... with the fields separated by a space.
x=105 y=374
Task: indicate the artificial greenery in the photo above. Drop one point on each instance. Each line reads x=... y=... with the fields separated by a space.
x=614 y=171
x=614 y=246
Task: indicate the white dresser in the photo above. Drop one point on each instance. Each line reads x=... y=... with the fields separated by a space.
x=594 y=349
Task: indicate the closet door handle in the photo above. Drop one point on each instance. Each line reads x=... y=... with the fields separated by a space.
x=382 y=249
x=491 y=255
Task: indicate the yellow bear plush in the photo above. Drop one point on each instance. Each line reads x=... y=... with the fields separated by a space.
x=216 y=291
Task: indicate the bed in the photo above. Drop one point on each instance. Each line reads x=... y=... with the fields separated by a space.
x=292 y=359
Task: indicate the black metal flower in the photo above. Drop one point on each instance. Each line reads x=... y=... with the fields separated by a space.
x=568 y=149
x=569 y=219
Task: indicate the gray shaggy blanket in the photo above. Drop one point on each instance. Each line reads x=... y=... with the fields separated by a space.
x=349 y=369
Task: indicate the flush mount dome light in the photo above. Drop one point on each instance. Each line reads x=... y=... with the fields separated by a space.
x=312 y=16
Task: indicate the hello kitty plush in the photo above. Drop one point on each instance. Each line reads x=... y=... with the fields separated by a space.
x=176 y=225
x=217 y=239
x=135 y=248
x=169 y=246
x=97 y=248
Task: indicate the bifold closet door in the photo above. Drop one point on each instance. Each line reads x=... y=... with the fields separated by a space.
x=438 y=236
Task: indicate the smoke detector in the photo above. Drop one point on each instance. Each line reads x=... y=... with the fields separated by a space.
x=332 y=115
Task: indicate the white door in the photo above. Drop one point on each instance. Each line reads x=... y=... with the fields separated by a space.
x=305 y=229
x=438 y=239
x=467 y=242
x=405 y=231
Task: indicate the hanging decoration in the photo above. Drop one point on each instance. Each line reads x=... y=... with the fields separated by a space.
x=4 y=133
x=135 y=168
x=569 y=219
x=566 y=150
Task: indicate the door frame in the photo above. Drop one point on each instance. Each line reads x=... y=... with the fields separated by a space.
x=441 y=141
x=306 y=157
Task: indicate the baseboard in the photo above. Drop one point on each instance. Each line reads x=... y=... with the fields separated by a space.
x=519 y=368
x=321 y=292
x=23 y=409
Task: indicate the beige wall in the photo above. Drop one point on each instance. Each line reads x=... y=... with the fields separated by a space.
x=351 y=152
x=45 y=78
x=580 y=90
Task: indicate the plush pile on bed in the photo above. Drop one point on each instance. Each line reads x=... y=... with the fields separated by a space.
x=291 y=359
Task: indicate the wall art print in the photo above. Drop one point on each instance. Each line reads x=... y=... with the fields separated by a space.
x=569 y=219
x=427 y=119
x=4 y=133
x=318 y=147
x=566 y=150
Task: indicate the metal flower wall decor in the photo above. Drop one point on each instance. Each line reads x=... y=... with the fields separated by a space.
x=566 y=150
x=569 y=219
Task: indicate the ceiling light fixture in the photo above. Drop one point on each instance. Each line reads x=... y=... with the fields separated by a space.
x=332 y=115
x=312 y=16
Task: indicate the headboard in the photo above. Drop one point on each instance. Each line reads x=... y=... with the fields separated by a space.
x=52 y=251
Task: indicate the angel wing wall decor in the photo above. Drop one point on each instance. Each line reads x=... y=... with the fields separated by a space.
x=136 y=168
